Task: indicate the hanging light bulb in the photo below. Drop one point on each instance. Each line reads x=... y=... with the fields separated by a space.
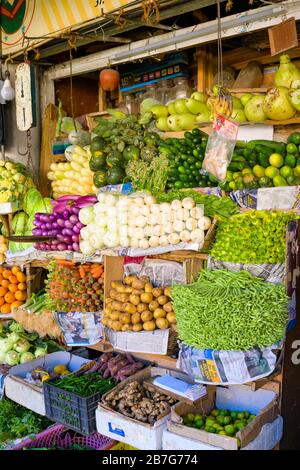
x=7 y=92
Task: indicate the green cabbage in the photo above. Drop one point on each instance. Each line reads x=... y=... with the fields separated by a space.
x=26 y=357
x=40 y=352
x=22 y=346
x=12 y=358
x=67 y=125
x=15 y=327
x=34 y=202
x=19 y=222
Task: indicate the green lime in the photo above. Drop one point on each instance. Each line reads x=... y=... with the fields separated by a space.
x=190 y=417
x=276 y=160
x=285 y=171
x=247 y=414
x=210 y=429
x=291 y=148
x=186 y=420
x=232 y=185
x=265 y=182
x=181 y=169
x=199 y=423
x=229 y=176
x=222 y=433
x=197 y=416
x=220 y=419
x=229 y=429
x=258 y=171
x=247 y=171
x=294 y=138
x=233 y=414
x=224 y=413
x=183 y=177
x=252 y=417
x=271 y=172
x=240 y=415
x=291 y=180
x=236 y=175
x=279 y=181
x=178 y=184
x=215 y=412
x=239 y=426
x=290 y=160
x=297 y=170
x=227 y=419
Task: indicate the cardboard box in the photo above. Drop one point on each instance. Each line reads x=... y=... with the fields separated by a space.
x=269 y=436
x=29 y=395
x=143 y=436
x=263 y=403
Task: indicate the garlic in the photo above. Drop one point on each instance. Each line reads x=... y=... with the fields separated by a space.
x=185 y=236
x=178 y=226
x=122 y=218
x=154 y=241
x=148 y=230
x=139 y=233
x=197 y=212
x=185 y=214
x=191 y=224
x=124 y=242
x=157 y=230
x=174 y=239
x=112 y=225
x=155 y=209
x=131 y=231
x=140 y=221
x=163 y=240
x=152 y=219
x=139 y=201
x=204 y=223
x=143 y=244
x=123 y=231
x=168 y=228
x=178 y=214
x=145 y=210
x=165 y=207
x=188 y=203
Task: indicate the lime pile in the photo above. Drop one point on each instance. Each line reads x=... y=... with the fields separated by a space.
x=223 y=422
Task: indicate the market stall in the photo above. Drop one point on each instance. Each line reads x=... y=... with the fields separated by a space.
x=149 y=276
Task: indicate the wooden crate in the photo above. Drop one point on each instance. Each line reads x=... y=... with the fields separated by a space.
x=90 y=119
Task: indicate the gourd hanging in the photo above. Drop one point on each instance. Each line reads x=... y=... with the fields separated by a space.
x=109 y=79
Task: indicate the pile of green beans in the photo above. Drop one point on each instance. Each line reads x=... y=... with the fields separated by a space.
x=227 y=310
x=85 y=385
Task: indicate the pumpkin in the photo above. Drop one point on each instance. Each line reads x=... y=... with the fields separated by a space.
x=100 y=179
x=115 y=176
x=97 y=144
x=109 y=79
x=97 y=162
x=115 y=159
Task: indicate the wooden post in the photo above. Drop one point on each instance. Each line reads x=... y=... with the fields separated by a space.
x=206 y=68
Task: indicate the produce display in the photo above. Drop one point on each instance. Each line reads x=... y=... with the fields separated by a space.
x=139 y=222
x=220 y=421
x=15 y=180
x=74 y=176
x=74 y=287
x=38 y=375
x=264 y=163
x=225 y=310
x=136 y=401
x=118 y=366
x=136 y=305
x=3 y=248
x=17 y=421
x=223 y=207
x=18 y=347
x=13 y=288
x=120 y=140
x=63 y=223
x=36 y=303
x=253 y=237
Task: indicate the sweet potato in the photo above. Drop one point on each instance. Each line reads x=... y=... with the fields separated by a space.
x=105 y=357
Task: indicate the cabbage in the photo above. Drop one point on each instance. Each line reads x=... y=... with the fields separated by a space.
x=79 y=138
x=34 y=202
x=19 y=222
x=17 y=247
x=67 y=125
x=14 y=337
x=6 y=344
x=22 y=346
x=40 y=352
x=26 y=357
x=2 y=356
x=12 y=358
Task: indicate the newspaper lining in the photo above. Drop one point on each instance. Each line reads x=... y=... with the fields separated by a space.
x=80 y=328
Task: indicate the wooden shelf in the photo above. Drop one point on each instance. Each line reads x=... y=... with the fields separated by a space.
x=248 y=90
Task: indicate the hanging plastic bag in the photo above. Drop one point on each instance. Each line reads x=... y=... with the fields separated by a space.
x=220 y=147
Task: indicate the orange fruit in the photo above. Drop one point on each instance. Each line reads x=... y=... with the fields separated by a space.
x=13 y=280
x=1 y=269
x=15 y=270
x=21 y=277
x=3 y=291
x=5 y=308
x=22 y=286
x=2 y=301
x=16 y=304
x=13 y=288
x=6 y=273
x=20 y=295
x=10 y=298
x=1 y=278
x=5 y=283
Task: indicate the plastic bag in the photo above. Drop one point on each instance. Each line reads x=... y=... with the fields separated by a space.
x=220 y=148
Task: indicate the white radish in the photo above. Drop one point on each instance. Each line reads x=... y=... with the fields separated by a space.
x=174 y=239
x=191 y=224
x=178 y=226
x=188 y=203
x=185 y=236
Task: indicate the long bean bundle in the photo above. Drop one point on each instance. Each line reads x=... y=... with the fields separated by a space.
x=85 y=385
x=225 y=310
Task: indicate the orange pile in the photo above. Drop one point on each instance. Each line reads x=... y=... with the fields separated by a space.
x=12 y=288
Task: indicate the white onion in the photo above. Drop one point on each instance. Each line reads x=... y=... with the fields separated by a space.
x=178 y=214
x=188 y=203
x=122 y=218
x=101 y=197
x=174 y=239
x=154 y=241
x=204 y=223
x=165 y=207
x=139 y=201
x=197 y=235
x=140 y=221
x=86 y=248
x=178 y=226
x=131 y=231
x=99 y=208
x=185 y=214
x=152 y=219
x=143 y=244
x=149 y=200
x=123 y=231
x=148 y=230
x=110 y=200
x=134 y=243
x=112 y=225
x=185 y=236
x=191 y=224
x=157 y=230
x=176 y=204
x=139 y=233
x=163 y=240
x=111 y=240
x=167 y=228
x=145 y=210
x=85 y=233
x=124 y=242
x=197 y=212
x=112 y=212
x=155 y=209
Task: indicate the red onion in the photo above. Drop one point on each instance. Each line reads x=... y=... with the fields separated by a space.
x=37 y=231
x=52 y=218
x=43 y=226
x=75 y=246
x=75 y=210
x=75 y=238
x=55 y=225
x=60 y=222
x=76 y=230
x=61 y=246
x=68 y=224
x=67 y=198
x=70 y=247
x=60 y=237
x=67 y=231
x=79 y=225
x=73 y=219
x=48 y=226
x=37 y=216
x=66 y=214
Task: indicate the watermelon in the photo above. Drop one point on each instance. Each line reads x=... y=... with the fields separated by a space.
x=98 y=144
x=100 y=179
x=97 y=162
x=115 y=175
x=115 y=159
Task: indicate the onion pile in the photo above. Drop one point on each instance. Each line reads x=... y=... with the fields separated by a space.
x=63 y=223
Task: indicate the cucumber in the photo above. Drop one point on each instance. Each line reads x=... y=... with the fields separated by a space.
x=277 y=147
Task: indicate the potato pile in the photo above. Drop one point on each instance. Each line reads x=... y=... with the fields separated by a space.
x=135 y=305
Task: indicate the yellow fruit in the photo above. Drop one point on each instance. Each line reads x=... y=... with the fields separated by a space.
x=59 y=369
x=45 y=377
x=276 y=160
x=65 y=372
x=271 y=172
x=258 y=171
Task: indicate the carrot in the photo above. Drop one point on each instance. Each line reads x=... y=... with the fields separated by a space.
x=65 y=263
x=82 y=272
